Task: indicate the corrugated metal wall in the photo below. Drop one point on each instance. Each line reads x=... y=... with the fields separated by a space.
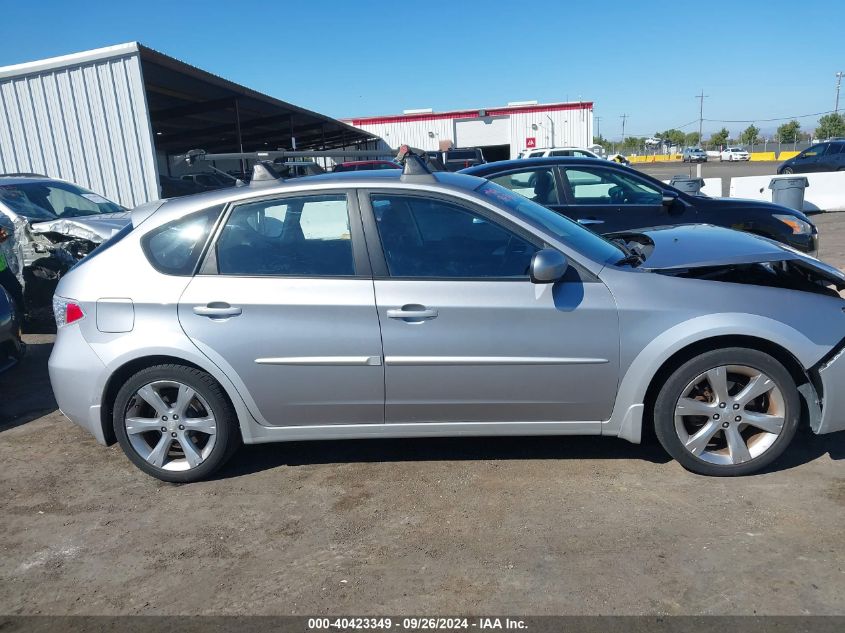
x=567 y=128
x=86 y=123
x=572 y=127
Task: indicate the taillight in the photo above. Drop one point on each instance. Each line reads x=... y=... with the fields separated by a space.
x=66 y=311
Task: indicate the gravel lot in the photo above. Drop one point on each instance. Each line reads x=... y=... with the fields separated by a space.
x=473 y=526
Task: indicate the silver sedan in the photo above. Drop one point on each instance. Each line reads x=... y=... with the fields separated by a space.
x=411 y=304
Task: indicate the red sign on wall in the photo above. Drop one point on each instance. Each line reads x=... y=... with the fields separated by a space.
x=530 y=142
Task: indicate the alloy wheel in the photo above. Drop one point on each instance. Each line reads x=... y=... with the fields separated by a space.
x=730 y=414
x=170 y=425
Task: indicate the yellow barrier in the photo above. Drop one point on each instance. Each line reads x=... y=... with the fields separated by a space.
x=656 y=158
x=762 y=156
x=787 y=155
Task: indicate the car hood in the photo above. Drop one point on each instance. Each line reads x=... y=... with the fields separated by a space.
x=96 y=228
x=704 y=245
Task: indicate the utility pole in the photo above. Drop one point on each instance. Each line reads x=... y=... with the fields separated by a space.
x=701 y=99
x=624 y=117
x=598 y=126
x=838 y=82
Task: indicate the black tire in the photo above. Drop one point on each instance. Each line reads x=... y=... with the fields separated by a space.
x=786 y=170
x=667 y=399
x=228 y=436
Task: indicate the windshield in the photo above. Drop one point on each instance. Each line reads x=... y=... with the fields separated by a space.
x=49 y=200
x=583 y=240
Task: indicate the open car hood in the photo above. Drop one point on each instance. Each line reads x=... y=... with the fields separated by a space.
x=681 y=248
x=96 y=228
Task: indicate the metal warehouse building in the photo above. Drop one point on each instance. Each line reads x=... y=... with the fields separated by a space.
x=113 y=119
x=501 y=132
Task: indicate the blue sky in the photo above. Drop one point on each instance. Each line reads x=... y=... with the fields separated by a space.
x=648 y=59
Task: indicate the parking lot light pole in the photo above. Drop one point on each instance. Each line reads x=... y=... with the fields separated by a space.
x=838 y=82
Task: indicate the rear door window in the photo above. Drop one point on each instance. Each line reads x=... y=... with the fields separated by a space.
x=535 y=184
x=304 y=236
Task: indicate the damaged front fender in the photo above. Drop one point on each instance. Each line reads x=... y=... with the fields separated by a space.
x=38 y=254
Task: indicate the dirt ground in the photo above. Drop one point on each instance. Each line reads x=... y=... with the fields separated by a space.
x=435 y=526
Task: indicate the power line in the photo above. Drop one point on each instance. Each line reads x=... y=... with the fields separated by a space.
x=783 y=118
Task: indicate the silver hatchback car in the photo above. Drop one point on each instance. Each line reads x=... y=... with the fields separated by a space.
x=411 y=304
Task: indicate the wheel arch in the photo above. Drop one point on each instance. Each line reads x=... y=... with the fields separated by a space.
x=650 y=366
x=120 y=375
x=799 y=374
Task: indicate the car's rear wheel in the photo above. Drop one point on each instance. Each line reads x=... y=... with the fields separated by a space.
x=727 y=412
x=175 y=423
x=786 y=170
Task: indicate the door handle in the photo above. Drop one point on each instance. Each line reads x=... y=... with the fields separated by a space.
x=217 y=310
x=589 y=221
x=412 y=313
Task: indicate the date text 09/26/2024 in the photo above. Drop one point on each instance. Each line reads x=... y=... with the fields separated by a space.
x=416 y=623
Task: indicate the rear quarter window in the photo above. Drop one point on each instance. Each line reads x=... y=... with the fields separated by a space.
x=175 y=248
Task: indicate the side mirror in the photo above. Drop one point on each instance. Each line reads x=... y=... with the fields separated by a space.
x=548 y=266
x=669 y=198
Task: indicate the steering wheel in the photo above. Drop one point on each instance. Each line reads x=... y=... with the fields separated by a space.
x=617 y=195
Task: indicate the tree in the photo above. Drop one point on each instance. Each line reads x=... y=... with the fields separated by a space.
x=600 y=140
x=788 y=132
x=693 y=139
x=720 y=138
x=671 y=137
x=632 y=143
x=750 y=135
x=831 y=125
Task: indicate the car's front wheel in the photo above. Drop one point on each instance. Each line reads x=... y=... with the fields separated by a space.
x=727 y=412
x=786 y=170
x=175 y=423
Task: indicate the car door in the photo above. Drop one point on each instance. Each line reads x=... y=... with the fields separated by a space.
x=467 y=337
x=828 y=160
x=837 y=156
x=807 y=161
x=284 y=304
x=608 y=200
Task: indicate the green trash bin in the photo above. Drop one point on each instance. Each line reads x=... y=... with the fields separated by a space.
x=789 y=192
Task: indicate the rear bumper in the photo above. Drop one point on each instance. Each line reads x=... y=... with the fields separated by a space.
x=832 y=376
x=75 y=371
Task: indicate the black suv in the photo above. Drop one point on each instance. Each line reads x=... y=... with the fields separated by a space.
x=611 y=198
x=827 y=156
x=455 y=159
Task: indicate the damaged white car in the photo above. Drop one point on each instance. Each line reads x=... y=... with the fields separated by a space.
x=46 y=226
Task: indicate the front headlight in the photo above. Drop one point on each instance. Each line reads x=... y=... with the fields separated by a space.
x=798 y=226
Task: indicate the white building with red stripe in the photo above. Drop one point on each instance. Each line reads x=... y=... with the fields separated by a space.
x=501 y=132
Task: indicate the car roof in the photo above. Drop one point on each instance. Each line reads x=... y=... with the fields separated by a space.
x=543 y=149
x=19 y=180
x=539 y=161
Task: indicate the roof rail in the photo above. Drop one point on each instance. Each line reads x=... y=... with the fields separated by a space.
x=417 y=164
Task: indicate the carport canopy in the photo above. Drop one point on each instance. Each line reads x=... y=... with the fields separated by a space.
x=190 y=108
